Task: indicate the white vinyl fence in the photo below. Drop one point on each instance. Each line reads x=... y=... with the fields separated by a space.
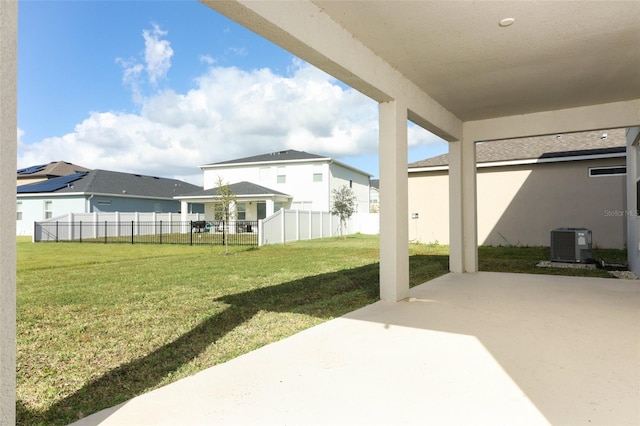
x=286 y=226
x=72 y=228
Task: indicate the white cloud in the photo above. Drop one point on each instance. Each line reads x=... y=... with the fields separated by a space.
x=157 y=62
x=207 y=59
x=157 y=54
x=231 y=113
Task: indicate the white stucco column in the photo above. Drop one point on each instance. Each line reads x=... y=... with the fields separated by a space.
x=633 y=221
x=8 y=152
x=463 y=235
x=394 y=211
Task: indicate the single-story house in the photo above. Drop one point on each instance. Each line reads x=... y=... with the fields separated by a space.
x=285 y=179
x=528 y=187
x=42 y=172
x=98 y=191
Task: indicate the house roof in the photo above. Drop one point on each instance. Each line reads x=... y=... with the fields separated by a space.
x=289 y=155
x=542 y=147
x=274 y=157
x=239 y=189
x=111 y=183
x=374 y=183
x=51 y=170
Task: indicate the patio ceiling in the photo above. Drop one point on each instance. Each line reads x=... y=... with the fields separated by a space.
x=556 y=55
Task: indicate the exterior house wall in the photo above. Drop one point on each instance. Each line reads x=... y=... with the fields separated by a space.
x=520 y=205
x=33 y=207
x=308 y=193
x=100 y=203
x=33 y=210
x=341 y=176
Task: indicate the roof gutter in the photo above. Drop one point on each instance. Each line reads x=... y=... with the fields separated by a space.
x=523 y=162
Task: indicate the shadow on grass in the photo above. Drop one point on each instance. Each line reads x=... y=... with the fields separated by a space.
x=323 y=296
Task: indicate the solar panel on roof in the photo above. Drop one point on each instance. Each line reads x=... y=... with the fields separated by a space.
x=31 y=170
x=51 y=184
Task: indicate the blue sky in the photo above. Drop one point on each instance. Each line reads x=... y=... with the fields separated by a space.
x=161 y=87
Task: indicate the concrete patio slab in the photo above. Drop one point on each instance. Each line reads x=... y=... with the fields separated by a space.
x=485 y=348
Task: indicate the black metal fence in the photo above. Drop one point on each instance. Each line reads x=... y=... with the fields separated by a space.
x=235 y=233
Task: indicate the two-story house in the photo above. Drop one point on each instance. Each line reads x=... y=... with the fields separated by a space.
x=285 y=179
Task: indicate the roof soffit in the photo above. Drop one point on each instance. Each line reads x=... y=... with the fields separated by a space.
x=560 y=55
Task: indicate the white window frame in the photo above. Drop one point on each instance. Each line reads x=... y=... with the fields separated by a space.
x=47 y=208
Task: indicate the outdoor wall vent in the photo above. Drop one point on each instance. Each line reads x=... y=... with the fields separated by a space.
x=571 y=245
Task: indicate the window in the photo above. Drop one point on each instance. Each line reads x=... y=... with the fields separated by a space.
x=317 y=177
x=19 y=211
x=48 y=209
x=241 y=211
x=282 y=179
x=607 y=171
x=265 y=173
x=157 y=207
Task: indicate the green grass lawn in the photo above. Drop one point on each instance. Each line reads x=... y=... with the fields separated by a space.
x=99 y=324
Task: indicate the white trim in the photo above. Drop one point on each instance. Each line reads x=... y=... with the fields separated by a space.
x=525 y=161
x=276 y=162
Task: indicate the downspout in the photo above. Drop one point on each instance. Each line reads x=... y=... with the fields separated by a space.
x=88 y=209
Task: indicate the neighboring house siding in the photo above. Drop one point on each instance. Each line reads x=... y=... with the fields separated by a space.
x=120 y=204
x=33 y=210
x=309 y=183
x=520 y=205
x=359 y=184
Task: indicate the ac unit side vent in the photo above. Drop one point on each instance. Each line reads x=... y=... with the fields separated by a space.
x=571 y=245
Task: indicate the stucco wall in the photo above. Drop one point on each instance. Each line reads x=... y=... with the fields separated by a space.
x=520 y=205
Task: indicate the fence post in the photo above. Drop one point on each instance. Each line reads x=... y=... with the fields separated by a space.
x=297 y=225
x=132 y=227
x=80 y=231
x=56 y=231
x=106 y=231
x=283 y=234
x=191 y=233
x=160 y=232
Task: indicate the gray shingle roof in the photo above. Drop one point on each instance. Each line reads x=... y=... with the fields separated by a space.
x=51 y=170
x=288 y=155
x=239 y=189
x=116 y=183
x=541 y=147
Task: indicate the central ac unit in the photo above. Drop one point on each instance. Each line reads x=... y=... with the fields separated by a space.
x=571 y=245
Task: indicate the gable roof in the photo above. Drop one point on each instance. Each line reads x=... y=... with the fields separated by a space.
x=546 y=148
x=51 y=170
x=240 y=189
x=274 y=157
x=106 y=182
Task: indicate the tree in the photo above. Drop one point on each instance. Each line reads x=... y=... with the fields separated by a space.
x=227 y=198
x=344 y=204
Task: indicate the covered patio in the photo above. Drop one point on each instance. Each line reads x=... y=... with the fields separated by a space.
x=466 y=348
x=476 y=349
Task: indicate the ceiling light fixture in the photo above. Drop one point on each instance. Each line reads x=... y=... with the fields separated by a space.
x=506 y=22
